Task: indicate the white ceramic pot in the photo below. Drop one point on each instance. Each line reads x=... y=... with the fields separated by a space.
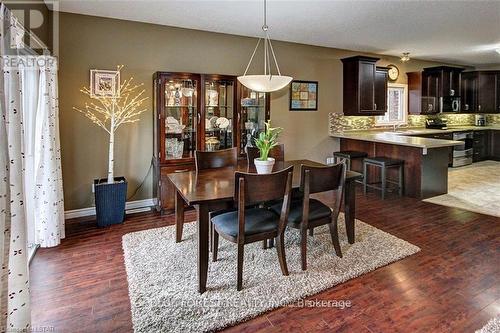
x=264 y=167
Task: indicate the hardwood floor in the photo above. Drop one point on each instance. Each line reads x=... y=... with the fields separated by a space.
x=452 y=285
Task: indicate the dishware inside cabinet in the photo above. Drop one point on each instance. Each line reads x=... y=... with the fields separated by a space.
x=219 y=110
x=179 y=117
x=255 y=112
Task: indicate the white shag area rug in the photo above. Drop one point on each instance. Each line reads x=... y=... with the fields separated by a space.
x=493 y=326
x=475 y=187
x=162 y=275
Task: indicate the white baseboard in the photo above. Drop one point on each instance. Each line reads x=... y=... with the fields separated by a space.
x=130 y=207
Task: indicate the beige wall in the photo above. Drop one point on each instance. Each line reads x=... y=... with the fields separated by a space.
x=88 y=42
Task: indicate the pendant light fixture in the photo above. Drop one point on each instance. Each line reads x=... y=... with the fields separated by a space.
x=405 y=57
x=266 y=82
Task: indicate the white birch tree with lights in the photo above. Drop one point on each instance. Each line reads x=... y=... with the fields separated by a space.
x=111 y=111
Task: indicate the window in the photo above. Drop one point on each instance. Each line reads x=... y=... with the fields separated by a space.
x=397 y=97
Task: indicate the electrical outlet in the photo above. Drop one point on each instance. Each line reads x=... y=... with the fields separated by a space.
x=93 y=188
x=330 y=160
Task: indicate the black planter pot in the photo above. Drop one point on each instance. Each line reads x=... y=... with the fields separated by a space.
x=110 y=201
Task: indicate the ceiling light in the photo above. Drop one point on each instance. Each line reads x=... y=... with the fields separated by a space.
x=266 y=82
x=405 y=57
x=498 y=50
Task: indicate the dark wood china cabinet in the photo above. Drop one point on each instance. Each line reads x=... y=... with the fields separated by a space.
x=199 y=111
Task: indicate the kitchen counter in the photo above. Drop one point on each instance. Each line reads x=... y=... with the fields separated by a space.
x=398 y=138
x=409 y=137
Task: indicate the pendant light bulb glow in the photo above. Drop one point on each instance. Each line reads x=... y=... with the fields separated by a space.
x=266 y=82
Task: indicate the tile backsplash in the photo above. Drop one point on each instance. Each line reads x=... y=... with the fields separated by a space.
x=340 y=123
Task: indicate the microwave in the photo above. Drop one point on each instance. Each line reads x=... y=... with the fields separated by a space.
x=449 y=104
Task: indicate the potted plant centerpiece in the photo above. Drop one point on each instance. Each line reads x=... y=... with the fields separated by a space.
x=113 y=104
x=265 y=142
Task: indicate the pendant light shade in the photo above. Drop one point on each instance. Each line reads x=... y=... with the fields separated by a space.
x=266 y=82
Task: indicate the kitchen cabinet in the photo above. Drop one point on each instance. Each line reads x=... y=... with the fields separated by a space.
x=365 y=87
x=481 y=145
x=427 y=88
x=468 y=92
x=422 y=93
x=494 y=147
x=381 y=76
x=487 y=92
x=481 y=91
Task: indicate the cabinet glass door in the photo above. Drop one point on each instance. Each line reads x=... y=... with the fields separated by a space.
x=219 y=114
x=254 y=114
x=179 y=118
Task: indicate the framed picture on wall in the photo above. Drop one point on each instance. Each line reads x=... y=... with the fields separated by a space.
x=104 y=83
x=304 y=95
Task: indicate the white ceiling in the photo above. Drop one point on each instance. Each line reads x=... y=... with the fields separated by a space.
x=461 y=32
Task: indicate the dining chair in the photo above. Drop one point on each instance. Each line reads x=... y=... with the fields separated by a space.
x=207 y=160
x=251 y=223
x=216 y=159
x=307 y=213
x=277 y=152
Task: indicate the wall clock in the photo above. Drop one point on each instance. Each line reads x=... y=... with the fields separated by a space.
x=393 y=72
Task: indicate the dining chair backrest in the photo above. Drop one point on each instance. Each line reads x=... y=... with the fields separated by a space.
x=216 y=159
x=260 y=188
x=278 y=153
x=322 y=178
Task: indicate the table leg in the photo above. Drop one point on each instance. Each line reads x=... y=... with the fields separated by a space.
x=350 y=209
x=179 y=216
x=203 y=221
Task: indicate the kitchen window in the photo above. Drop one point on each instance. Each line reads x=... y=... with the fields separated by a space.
x=397 y=106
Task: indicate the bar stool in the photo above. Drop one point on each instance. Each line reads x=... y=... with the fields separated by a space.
x=348 y=155
x=384 y=163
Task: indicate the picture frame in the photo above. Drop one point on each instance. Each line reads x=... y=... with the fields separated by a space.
x=303 y=95
x=104 y=83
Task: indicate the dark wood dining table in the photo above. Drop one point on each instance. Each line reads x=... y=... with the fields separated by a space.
x=212 y=189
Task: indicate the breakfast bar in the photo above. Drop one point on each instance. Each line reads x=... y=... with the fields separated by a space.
x=425 y=159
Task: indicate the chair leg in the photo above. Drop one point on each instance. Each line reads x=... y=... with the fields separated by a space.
x=401 y=180
x=384 y=180
x=348 y=162
x=303 y=248
x=264 y=244
x=335 y=238
x=311 y=232
x=365 y=177
x=215 y=244
x=239 y=277
x=211 y=233
x=280 y=248
x=271 y=242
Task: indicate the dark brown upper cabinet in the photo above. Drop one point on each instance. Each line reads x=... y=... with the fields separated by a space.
x=481 y=91
x=468 y=92
x=365 y=87
x=487 y=92
x=427 y=88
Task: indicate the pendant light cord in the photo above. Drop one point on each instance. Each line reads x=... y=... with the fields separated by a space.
x=267 y=46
